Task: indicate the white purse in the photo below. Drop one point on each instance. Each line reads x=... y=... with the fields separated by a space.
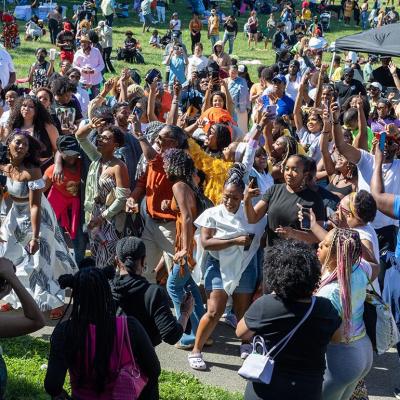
x=259 y=367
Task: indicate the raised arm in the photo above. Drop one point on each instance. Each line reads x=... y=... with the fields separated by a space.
x=361 y=140
x=147 y=149
x=384 y=201
x=35 y=199
x=12 y=325
x=321 y=77
x=173 y=112
x=254 y=213
x=393 y=71
x=324 y=142
x=229 y=102
x=352 y=154
x=297 y=113
x=151 y=115
x=207 y=97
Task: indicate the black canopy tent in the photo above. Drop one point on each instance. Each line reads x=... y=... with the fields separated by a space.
x=384 y=41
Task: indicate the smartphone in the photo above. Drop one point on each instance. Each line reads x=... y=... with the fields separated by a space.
x=254 y=182
x=138 y=111
x=306 y=221
x=246 y=248
x=271 y=110
x=382 y=140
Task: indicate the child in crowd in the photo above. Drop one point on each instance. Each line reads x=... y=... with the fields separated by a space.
x=155 y=39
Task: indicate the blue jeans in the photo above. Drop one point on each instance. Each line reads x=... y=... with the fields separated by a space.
x=364 y=21
x=214 y=39
x=229 y=37
x=175 y=287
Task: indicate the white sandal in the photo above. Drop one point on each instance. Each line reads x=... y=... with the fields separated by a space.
x=196 y=361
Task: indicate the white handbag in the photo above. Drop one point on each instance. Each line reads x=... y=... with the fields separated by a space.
x=259 y=367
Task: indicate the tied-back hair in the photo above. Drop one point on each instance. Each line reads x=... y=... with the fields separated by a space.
x=346 y=244
x=235 y=176
x=92 y=304
x=179 y=166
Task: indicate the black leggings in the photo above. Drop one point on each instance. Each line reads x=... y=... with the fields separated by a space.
x=195 y=39
x=108 y=67
x=54 y=29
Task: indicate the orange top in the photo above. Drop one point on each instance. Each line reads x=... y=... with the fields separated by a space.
x=195 y=25
x=178 y=238
x=157 y=188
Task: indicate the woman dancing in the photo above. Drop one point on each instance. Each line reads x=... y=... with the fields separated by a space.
x=32 y=238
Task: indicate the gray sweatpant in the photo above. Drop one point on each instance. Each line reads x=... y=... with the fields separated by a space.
x=346 y=364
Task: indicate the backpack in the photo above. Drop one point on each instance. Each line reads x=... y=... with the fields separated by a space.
x=130 y=381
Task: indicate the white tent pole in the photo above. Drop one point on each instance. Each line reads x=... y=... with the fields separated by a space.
x=331 y=67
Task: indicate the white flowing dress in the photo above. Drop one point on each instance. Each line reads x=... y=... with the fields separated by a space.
x=39 y=272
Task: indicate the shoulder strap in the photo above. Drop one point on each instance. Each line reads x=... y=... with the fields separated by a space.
x=284 y=341
x=120 y=325
x=127 y=342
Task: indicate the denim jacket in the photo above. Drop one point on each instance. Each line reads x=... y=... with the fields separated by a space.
x=239 y=92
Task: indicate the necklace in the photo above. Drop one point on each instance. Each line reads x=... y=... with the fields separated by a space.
x=340 y=178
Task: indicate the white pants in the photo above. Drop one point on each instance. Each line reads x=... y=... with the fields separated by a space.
x=242 y=120
x=161 y=14
x=159 y=239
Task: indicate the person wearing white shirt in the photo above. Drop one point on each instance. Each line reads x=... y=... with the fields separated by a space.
x=175 y=23
x=81 y=94
x=197 y=62
x=385 y=227
x=89 y=61
x=7 y=70
x=293 y=79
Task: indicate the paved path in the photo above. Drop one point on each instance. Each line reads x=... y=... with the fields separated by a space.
x=223 y=362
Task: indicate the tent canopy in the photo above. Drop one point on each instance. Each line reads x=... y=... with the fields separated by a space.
x=384 y=41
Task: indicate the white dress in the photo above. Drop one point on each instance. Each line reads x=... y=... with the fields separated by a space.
x=39 y=272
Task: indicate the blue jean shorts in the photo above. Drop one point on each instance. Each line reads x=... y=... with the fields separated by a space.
x=213 y=279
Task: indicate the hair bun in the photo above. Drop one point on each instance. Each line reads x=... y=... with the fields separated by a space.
x=66 y=281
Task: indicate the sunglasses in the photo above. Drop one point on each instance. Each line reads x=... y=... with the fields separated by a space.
x=344 y=211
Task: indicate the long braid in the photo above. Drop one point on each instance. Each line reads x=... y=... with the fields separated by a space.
x=291 y=149
x=348 y=253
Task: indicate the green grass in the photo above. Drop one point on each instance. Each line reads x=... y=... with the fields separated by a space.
x=26 y=355
x=24 y=55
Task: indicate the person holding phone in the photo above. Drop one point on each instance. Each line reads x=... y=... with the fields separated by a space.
x=280 y=202
x=229 y=268
x=177 y=61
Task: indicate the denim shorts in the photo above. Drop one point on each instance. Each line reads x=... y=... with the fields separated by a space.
x=213 y=280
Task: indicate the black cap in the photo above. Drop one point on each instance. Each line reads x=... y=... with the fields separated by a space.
x=68 y=145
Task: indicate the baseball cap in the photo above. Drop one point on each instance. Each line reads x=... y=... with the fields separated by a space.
x=281 y=78
x=375 y=85
x=294 y=62
x=348 y=70
x=68 y=145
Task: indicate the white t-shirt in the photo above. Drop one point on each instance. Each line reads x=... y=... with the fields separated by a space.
x=199 y=63
x=310 y=142
x=175 y=24
x=292 y=87
x=6 y=66
x=391 y=180
x=367 y=232
x=4 y=118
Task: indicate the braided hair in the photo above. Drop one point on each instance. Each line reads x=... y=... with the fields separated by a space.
x=346 y=245
x=92 y=305
x=235 y=176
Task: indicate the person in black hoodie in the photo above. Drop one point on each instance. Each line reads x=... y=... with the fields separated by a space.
x=147 y=302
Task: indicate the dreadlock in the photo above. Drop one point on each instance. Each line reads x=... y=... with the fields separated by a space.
x=92 y=305
x=235 y=176
x=347 y=245
x=178 y=165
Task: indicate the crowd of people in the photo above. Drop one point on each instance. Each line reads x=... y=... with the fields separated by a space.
x=270 y=205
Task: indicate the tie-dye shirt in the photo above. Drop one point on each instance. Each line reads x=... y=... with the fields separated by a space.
x=359 y=282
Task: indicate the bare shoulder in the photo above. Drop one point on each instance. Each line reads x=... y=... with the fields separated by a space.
x=33 y=173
